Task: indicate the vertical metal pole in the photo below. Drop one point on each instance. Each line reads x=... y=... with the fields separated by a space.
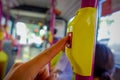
x=3 y=55
x=52 y=23
x=52 y=17
x=89 y=3
x=1 y=30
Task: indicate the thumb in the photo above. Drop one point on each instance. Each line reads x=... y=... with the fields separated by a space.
x=43 y=58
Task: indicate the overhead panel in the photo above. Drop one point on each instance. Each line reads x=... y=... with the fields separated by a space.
x=38 y=3
x=68 y=7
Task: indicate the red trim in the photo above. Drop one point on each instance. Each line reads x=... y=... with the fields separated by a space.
x=106 y=8
x=112 y=11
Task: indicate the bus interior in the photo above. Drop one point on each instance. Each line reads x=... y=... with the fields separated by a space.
x=28 y=22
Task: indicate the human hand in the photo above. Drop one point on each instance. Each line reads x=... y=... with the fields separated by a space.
x=36 y=69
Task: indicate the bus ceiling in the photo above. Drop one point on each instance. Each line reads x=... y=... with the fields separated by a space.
x=39 y=9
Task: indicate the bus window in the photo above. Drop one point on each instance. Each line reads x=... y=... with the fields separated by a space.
x=108 y=33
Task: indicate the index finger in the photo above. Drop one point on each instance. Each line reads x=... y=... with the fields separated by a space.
x=43 y=58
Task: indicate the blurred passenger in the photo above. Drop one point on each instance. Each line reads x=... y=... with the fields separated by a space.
x=55 y=39
x=104 y=62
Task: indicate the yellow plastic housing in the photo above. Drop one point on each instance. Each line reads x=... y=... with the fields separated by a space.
x=83 y=28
